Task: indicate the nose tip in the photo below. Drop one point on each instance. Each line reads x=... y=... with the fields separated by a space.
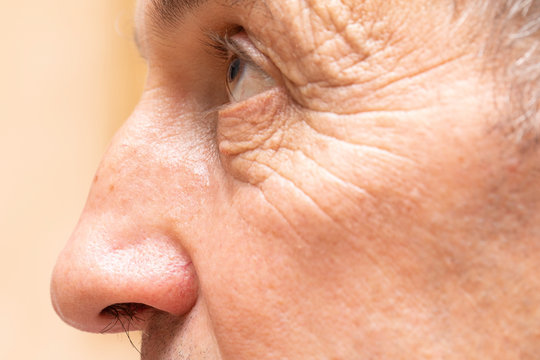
x=99 y=285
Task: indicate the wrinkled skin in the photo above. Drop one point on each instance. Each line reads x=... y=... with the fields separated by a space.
x=364 y=208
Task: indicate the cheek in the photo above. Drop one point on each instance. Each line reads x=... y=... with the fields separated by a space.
x=250 y=276
x=376 y=183
x=273 y=180
x=286 y=174
x=303 y=189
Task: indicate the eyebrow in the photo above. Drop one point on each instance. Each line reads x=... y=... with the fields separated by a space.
x=169 y=12
x=165 y=14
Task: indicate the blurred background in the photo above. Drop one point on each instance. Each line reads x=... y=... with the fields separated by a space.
x=70 y=75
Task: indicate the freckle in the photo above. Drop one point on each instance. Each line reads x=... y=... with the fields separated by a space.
x=96 y=178
x=111 y=188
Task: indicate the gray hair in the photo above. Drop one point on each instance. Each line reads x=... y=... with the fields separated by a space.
x=515 y=43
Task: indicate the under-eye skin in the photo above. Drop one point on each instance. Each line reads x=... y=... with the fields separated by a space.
x=243 y=78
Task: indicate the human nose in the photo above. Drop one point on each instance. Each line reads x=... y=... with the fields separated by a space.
x=125 y=258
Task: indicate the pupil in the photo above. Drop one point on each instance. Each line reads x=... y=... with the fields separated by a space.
x=234 y=69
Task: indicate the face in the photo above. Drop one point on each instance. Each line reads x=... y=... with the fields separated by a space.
x=305 y=180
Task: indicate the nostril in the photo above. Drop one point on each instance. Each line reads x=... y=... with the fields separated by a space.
x=124 y=317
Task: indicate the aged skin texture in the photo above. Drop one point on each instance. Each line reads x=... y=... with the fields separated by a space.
x=312 y=180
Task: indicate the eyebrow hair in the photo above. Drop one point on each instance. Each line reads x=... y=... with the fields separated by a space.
x=169 y=12
x=165 y=14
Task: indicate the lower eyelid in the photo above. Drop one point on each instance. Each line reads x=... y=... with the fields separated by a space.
x=241 y=124
x=250 y=81
x=265 y=101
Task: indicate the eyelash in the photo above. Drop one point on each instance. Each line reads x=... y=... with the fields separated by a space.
x=223 y=48
x=227 y=50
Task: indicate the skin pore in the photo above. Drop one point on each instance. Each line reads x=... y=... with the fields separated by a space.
x=357 y=202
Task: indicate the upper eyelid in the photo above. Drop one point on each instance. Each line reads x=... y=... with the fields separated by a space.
x=224 y=45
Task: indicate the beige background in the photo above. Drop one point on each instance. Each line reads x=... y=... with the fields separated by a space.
x=69 y=76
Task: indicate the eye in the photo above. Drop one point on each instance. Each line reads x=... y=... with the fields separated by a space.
x=245 y=79
x=235 y=67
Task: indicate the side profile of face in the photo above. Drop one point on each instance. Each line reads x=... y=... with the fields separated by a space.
x=312 y=180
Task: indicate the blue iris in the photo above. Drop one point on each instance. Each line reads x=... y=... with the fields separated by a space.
x=234 y=69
